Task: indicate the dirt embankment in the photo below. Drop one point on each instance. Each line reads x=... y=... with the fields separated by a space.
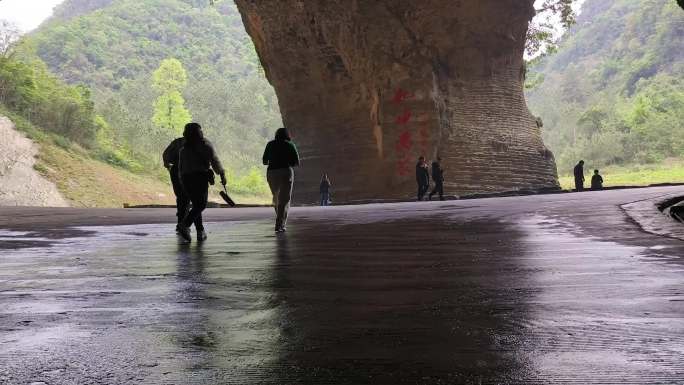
x=20 y=183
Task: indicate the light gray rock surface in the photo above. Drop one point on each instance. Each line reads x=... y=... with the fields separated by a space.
x=20 y=183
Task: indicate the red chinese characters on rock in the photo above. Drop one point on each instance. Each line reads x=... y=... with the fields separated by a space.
x=405 y=141
x=403 y=148
x=400 y=96
x=404 y=118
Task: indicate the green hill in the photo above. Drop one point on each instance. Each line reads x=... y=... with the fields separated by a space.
x=114 y=46
x=613 y=93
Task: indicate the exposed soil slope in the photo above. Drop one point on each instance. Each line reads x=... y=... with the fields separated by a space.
x=20 y=183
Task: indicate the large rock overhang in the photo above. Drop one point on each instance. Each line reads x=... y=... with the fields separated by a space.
x=367 y=87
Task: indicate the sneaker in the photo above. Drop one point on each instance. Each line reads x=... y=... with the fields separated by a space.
x=201 y=236
x=184 y=232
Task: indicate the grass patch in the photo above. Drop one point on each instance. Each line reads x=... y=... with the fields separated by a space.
x=669 y=171
x=88 y=182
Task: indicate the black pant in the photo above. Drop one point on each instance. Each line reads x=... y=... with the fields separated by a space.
x=182 y=200
x=439 y=189
x=196 y=187
x=422 y=190
x=579 y=184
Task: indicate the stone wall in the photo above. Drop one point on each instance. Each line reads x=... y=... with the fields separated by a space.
x=368 y=86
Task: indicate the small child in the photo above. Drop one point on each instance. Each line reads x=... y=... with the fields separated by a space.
x=596 y=181
x=325 y=190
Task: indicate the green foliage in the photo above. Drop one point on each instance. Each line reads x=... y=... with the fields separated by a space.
x=613 y=94
x=28 y=89
x=169 y=77
x=252 y=183
x=542 y=31
x=116 y=47
x=170 y=114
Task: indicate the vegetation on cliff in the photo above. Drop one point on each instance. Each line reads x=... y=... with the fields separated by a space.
x=613 y=93
x=107 y=52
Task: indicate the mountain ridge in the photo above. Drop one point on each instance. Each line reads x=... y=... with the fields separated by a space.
x=613 y=92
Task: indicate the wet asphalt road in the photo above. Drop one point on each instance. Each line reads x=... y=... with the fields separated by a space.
x=526 y=290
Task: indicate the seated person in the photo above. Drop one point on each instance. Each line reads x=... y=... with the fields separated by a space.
x=596 y=181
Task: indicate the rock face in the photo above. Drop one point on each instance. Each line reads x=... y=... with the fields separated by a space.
x=368 y=86
x=20 y=184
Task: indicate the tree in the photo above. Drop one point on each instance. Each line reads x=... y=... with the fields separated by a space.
x=542 y=33
x=170 y=76
x=169 y=80
x=9 y=35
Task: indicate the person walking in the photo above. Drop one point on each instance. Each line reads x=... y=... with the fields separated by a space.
x=170 y=158
x=578 y=171
x=596 y=181
x=197 y=164
x=281 y=157
x=422 y=177
x=438 y=177
x=325 y=190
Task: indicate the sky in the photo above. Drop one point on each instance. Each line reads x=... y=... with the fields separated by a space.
x=27 y=14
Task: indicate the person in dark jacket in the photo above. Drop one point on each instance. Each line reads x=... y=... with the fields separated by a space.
x=281 y=157
x=325 y=190
x=197 y=164
x=170 y=158
x=438 y=177
x=596 y=181
x=422 y=177
x=578 y=171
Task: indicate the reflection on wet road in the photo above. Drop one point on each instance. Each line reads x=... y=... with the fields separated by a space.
x=438 y=298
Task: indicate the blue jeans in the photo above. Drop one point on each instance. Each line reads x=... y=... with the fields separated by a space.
x=325 y=198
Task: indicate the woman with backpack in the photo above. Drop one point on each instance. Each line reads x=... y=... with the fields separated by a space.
x=197 y=163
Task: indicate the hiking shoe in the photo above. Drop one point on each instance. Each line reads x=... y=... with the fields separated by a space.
x=201 y=236
x=184 y=232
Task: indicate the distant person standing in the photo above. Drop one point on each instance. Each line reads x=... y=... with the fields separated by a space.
x=438 y=178
x=325 y=190
x=578 y=171
x=422 y=177
x=170 y=158
x=281 y=156
x=197 y=160
x=596 y=181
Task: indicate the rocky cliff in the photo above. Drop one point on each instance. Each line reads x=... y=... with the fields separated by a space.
x=20 y=184
x=368 y=86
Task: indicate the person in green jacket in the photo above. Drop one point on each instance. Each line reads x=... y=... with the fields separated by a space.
x=281 y=157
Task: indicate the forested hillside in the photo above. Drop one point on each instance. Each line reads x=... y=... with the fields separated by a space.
x=115 y=47
x=613 y=93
